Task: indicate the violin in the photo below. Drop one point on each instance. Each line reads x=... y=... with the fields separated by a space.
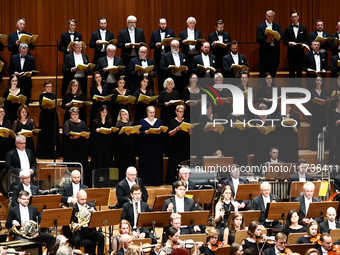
x=288 y=251
x=217 y=245
x=265 y=239
x=335 y=250
x=188 y=244
x=146 y=247
x=316 y=239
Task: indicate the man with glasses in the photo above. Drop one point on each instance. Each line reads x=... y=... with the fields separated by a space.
x=183 y=174
x=280 y=245
x=123 y=188
x=25 y=184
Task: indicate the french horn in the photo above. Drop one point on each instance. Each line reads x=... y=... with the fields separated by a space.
x=28 y=229
x=84 y=217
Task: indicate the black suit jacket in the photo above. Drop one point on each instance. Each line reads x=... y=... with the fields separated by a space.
x=229 y=182
x=261 y=39
x=309 y=62
x=124 y=37
x=65 y=41
x=12 y=38
x=289 y=36
x=302 y=211
x=20 y=187
x=324 y=226
x=312 y=36
x=218 y=51
x=295 y=177
x=15 y=66
x=123 y=192
x=189 y=204
x=67 y=191
x=258 y=204
x=167 y=59
x=228 y=61
x=333 y=47
x=183 y=35
x=270 y=251
x=199 y=60
x=135 y=77
x=102 y=63
x=337 y=186
x=12 y=160
x=334 y=65
x=191 y=186
x=76 y=209
x=14 y=214
x=130 y=216
x=96 y=36
x=155 y=38
x=69 y=63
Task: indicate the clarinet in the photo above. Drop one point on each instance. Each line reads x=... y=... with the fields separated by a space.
x=136 y=215
x=221 y=210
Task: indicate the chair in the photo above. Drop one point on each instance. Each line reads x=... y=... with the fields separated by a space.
x=292 y=238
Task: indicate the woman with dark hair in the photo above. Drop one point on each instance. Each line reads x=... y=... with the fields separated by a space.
x=313 y=229
x=318 y=110
x=143 y=89
x=49 y=125
x=236 y=249
x=334 y=126
x=237 y=223
x=13 y=105
x=74 y=93
x=287 y=136
x=6 y=141
x=98 y=88
x=192 y=92
x=293 y=224
x=120 y=90
x=23 y=122
x=170 y=237
x=101 y=156
x=254 y=231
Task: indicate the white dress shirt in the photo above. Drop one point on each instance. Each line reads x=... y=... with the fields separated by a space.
x=103 y=36
x=191 y=36
x=270 y=26
x=302 y=178
x=317 y=61
x=179 y=204
x=307 y=203
x=78 y=59
x=162 y=37
x=27 y=188
x=331 y=225
x=24 y=214
x=177 y=62
x=266 y=200
x=24 y=161
x=235 y=58
x=236 y=182
x=22 y=62
x=134 y=212
x=220 y=37
x=19 y=34
x=130 y=183
x=206 y=63
x=71 y=36
x=296 y=30
x=132 y=40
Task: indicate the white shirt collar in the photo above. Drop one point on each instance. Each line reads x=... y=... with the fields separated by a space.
x=268 y=24
x=23 y=207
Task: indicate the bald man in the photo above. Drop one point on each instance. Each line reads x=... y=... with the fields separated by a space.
x=69 y=191
x=331 y=223
x=126 y=241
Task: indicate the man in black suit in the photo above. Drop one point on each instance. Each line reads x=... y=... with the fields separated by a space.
x=143 y=61
x=274 y=156
x=326 y=243
x=100 y=35
x=13 y=38
x=70 y=36
x=85 y=232
x=334 y=63
x=184 y=173
x=126 y=241
x=132 y=209
x=156 y=43
x=295 y=33
x=334 y=46
x=25 y=184
x=219 y=36
x=123 y=188
x=301 y=175
x=110 y=59
x=129 y=35
x=70 y=70
x=191 y=33
x=23 y=212
x=319 y=32
x=23 y=62
x=207 y=60
x=261 y=202
x=70 y=191
x=331 y=223
x=269 y=53
x=280 y=245
x=176 y=222
x=174 y=57
x=233 y=58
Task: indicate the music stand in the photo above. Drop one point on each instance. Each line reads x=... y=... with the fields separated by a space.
x=152 y=220
x=43 y=202
x=56 y=217
x=201 y=196
x=159 y=202
x=280 y=170
x=300 y=248
x=318 y=209
x=297 y=187
x=50 y=173
x=99 y=196
x=194 y=218
x=248 y=216
x=247 y=191
x=278 y=210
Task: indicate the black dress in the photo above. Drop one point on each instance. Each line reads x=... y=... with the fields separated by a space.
x=167 y=112
x=206 y=251
x=332 y=104
x=150 y=155
x=179 y=149
x=192 y=113
x=140 y=112
x=97 y=104
x=116 y=107
x=246 y=108
x=12 y=109
x=287 y=230
x=248 y=244
x=68 y=97
x=30 y=125
x=334 y=153
x=303 y=239
x=49 y=125
x=267 y=92
x=125 y=154
x=222 y=224
x=6 y=144
x=75 y=150
x=287 y=139
x=225 y=109
x=318 y=119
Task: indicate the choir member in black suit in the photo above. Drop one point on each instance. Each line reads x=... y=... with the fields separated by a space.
x=204 y=59
x=70 y=36
x=318 y=111
x=301 y=175
x=330 y=223
x=191 y=33
x=143 y=61
x=334 y=46
x=334 y=63
x=20 y=213
x=233 y=58
x=219 y=36
x=69 y=191
x=334 y=125
x=293 y=223
x=287 y=137
x=75 y=146
x=73 y=92
x=49 y=125
x=175 y=58
x=70 y=70
x=25 y=184
x=6 y=141
x=23 y=62
x=269 y=54
x=156 y=43
x=313 y=229
x=295 y=33
x=129 y=35
x=100 y=35
x=183 y=175
x=280 y=245
x=101 y=148
x=110 y=77
x=120 y=90
x=319 y=32
x=13 y=38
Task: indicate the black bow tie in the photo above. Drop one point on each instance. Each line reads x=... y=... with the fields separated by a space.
x=316 y=53
x=22 y=57
x=220 y=33
x=20 y=33
x=142 y=60
x=162 y=31
x=297 y=26
x=71 y=33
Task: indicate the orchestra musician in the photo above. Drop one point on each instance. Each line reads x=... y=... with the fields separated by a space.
x=326 y=243
x=236 y=223
x=126 y=241
x=212 y=238
x=293 y=223
x=312 y=251
x=170 y=237
x=280 y=245
x=176 y=222
x=313 y=229
x=124 y=228
x=236 y=249
x=25 y=184
x=184 y=173
x=330 y=223
x=254 y=231
x=70 y=191
x=301 y=175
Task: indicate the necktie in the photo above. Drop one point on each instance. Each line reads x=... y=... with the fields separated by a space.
x=71 y=33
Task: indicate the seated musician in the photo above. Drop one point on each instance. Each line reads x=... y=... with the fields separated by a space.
x=132 y=209
x=331 y=223
x=212 y=238
x=176 y=222
x=25 y=184
x=124 y=228
x=126 y=241
x=85 y=232
x=305 y=200
x=236 y=249
x=133 y=250
x=170 y=237
x=293 y=224
x=280 y=245
x=123 y=188
x=254 y=231
x=70 y=191
x=236 y=223
x=260 y=203
x=312 y=251
x=313 y=229
x=184 y=173
x=326 y=244
x=23 y=212
x=301 y=175
x=274 y=156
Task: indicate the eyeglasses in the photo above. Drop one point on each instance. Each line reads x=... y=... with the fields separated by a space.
x=143 y=52
x=2 y=111
x=22 y=143
x=180 y=111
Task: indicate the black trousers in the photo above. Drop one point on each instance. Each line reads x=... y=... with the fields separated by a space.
x=42 y=237
x=91 y=234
